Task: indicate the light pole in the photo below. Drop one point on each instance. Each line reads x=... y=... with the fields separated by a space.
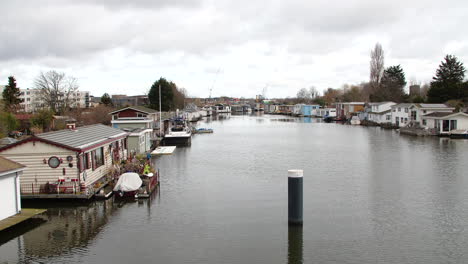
x=160 y=115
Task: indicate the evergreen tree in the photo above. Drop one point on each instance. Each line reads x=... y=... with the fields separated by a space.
x=167 y=95
x=447 y=84
x=11 y=95
x=392 y=86
x=106 y=100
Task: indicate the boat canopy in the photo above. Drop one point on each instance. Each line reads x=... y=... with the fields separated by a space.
x=129 y=181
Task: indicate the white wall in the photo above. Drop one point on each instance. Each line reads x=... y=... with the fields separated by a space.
x=10 y=203
x=400 y=114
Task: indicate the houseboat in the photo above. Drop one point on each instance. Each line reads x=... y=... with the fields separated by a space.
x=70 y=163
x=178 y=133
x=220 y=108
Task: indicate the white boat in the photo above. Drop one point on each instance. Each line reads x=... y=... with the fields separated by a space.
x=355 y=120
x=127 y=185
x=179 y=133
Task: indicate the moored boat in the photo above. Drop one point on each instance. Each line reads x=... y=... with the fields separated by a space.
x=127 y=185
x=202 y=130
x=179 y=133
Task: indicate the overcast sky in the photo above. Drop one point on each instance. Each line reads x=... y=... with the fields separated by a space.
x=122 y=46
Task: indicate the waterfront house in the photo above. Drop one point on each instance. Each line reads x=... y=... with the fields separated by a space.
x=141 y=122
x=10 y=173
x=326 y=112
x=134 y=117
x=403 y=114
x=69 y=163
x=400 y=114
x=305 y=110
x=286 y=109
x=444 y=122
x=380 y=112
x=346 y=110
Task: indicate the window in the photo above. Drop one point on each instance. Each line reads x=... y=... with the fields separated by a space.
x=388 y=117
x=87 y=161
x=424 y=122
x=399 y=109
x=424 y=111
x=394 y=109
x=453 y=124
x=406 y=110
x=54 y=162
x=98 y=157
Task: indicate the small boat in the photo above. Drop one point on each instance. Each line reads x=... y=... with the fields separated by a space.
x=459 y=134
x=202 y=130
x=127 y=185
x=355 y=121
x=328 y=119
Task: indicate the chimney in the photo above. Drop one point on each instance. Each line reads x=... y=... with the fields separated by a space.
x=71 y=124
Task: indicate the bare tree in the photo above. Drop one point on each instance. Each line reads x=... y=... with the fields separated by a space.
x=55 y=90
x=313 y=92
x=376 y=66
x=303 y=95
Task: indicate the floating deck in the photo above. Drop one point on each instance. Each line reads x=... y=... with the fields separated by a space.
x=25 y=214
x=164 y=150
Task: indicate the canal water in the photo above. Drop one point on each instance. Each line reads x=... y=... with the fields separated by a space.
x=370 y=196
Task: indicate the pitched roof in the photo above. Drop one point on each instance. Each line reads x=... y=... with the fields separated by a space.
x=381 y=103
x=82 y=137
x=381 y=113
x=433 y=106
x=137 y=108
x=8 y=165
x=402 y=105
x=444 y=114
x=7 y=141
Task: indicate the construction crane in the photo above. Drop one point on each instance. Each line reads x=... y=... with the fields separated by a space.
x=214 y=81
x=264 y=91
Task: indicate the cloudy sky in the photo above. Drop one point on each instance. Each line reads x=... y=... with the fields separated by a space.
x=237 y=47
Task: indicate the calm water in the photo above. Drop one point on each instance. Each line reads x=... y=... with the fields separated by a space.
x=370 y=196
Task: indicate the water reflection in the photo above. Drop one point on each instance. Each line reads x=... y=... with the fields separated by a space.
x=295 y=244
x=65 y=228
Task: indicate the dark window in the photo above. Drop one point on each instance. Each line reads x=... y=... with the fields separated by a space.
x=87 y=161
x=98 y=157
x=453 y=124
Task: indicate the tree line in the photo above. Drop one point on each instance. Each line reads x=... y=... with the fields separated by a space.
x=54 y=92
x=388 y=84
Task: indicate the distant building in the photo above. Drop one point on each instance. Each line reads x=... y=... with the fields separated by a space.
x=403 y=114
x=31 y=100
x=415 y=90
x=140 y=122
x=380 y=112
x=122 y=100
x=346 y=110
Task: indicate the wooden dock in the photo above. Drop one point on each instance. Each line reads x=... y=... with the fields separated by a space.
x=25 y=214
